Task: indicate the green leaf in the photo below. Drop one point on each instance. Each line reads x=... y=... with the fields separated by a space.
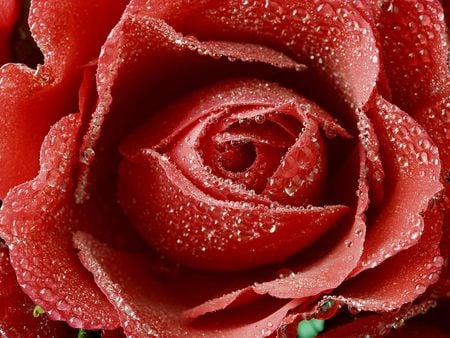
x=310 y=328
x=37 y=311
x=89 y=334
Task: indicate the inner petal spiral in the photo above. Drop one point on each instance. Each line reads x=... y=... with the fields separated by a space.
x=234 y=176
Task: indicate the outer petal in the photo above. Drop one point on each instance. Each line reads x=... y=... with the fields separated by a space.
x=412 y=169
x=435 y=117
x=149 y=305
x=414 y=47
x=332 y=36
x=36 y=221
x=33 y=100
x=16 y=309
x=9 y=10
x=400 y=279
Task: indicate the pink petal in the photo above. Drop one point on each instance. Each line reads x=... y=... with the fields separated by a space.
x=412 y=173
x=307 y=30
x=37 y=221
x=414 y=48
x=248 y=235
x=32 y=100
x=148 y=305
x=400 y=279
x=16 y=309
x=306 y=277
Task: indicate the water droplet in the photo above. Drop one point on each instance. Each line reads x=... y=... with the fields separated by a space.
x=260 y=119
x=266 y=332
x=414 y=235
x=425 y=19
x=433 y=277
x=52 y=178
x=283 y=273
x=423 y=157
x=420 y=288
x=46 y=294
x=438 y=261
x=325 y=9
x=87 y=155
x=403 y=162
x=290 y=189
x=62 y=305
x=75 y=322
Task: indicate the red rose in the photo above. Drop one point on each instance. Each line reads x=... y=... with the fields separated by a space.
x=224 y=168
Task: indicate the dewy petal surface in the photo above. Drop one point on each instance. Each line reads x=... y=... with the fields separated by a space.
x=149 y=305
x=32 y=100
x=37 y=223
x=342 y=51
x=409 y=273
x=227 y=232
x=415 y=49
x=16 y=309
x=412 y=168
x=381 y=324
x=308 y=278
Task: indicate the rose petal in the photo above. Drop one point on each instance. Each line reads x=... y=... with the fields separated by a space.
x=232 y=236
x=369 y=141
x=415 y=48
x=409 y=273
x=33 y=100
x=36 y=222
x=378 y=325
x=143 y=39
x=412 y=168
x=435 y=118
x=151 y=306
x=16 y=309
x=9 y=10
x=308 y=30
x=78 y=43
x=306 y=278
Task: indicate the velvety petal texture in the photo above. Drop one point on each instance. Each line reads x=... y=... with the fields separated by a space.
x=225 y=168
x=36 y=223
x=16 y=314
x=33 y=100
x=9 y=10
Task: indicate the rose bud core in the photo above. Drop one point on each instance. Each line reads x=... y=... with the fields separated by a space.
x=230 y=180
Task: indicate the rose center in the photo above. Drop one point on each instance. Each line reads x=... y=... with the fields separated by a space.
x=237 y=156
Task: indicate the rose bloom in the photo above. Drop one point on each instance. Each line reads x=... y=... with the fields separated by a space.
x=224 y=168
